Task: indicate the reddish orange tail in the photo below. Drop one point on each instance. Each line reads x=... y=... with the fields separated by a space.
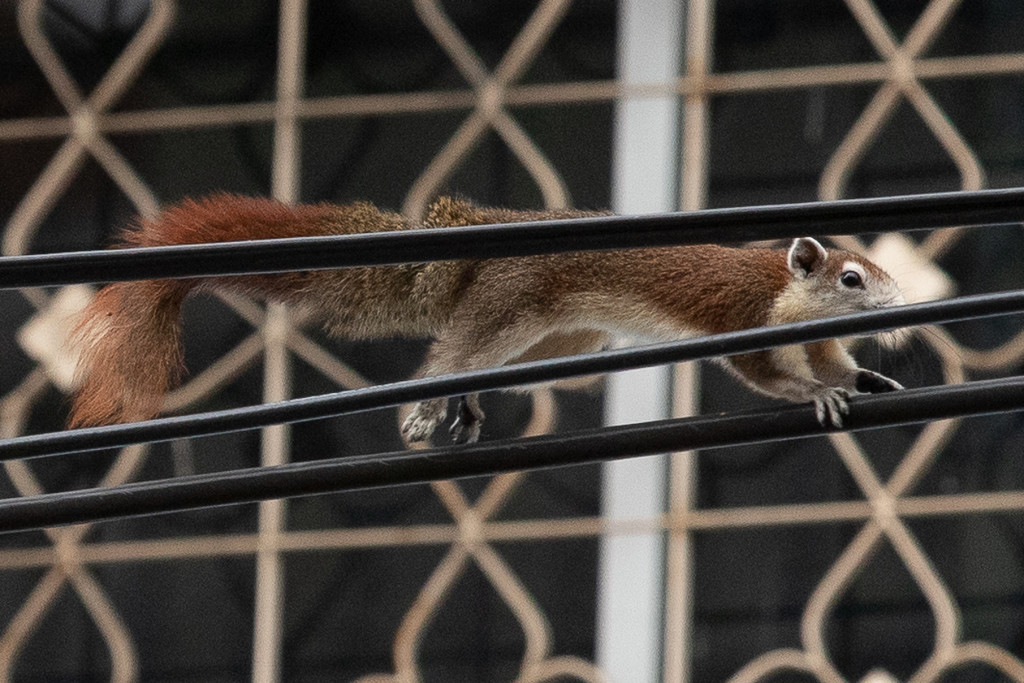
x=131 y=352
x=129 y=335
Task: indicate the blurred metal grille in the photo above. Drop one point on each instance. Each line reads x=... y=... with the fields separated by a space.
x=488 y=101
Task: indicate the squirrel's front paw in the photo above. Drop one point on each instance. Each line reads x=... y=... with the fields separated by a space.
x=423 y=420
x=869 y=382
x=830 y=404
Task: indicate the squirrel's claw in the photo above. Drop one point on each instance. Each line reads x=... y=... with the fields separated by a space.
x=870 y=382
x=427 y=415
x=468 y=419
x=463 y=432
x=830 y=404
x=423 y=420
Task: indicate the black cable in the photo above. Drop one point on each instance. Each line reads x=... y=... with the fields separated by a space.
x=552 y=450
x=398 y=393
x=849 y=216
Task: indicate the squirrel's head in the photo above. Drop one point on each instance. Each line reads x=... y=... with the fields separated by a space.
x=826 y=283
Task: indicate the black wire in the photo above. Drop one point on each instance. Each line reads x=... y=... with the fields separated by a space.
x=398 y=393
x=904 y=213
x=552 y=450
x=915 y=212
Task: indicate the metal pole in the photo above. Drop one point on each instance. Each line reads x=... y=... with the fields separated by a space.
x=630 y=571
x=276 y=441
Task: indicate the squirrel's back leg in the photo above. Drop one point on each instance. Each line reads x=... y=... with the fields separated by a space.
x=468 y=420
x=471 y=351
x=466 y=347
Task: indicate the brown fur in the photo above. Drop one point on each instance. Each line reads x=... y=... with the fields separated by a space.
x=480 y=312
x=130 y=339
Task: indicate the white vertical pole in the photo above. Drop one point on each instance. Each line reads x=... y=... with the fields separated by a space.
x=644 y=180
x=269 y=598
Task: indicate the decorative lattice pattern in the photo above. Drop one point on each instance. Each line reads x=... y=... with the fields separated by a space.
x=902 y=74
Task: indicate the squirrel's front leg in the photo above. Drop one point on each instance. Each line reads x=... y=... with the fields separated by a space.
x=832 y=364
x=785 y=372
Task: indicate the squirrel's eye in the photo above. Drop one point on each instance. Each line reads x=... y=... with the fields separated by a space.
x=851 y=279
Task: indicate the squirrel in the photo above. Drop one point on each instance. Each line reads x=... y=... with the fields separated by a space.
x=484 y=312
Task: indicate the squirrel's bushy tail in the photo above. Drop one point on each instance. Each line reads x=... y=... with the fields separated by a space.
x=128 y=338
x=131 y=355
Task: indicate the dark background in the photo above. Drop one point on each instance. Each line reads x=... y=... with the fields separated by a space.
x=191 y=620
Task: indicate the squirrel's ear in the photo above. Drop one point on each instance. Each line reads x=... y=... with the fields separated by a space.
x=805 y=256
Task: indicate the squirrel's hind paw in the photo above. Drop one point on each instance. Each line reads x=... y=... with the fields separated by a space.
x=464 y=432
x=468 y=418
x=423 y=420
